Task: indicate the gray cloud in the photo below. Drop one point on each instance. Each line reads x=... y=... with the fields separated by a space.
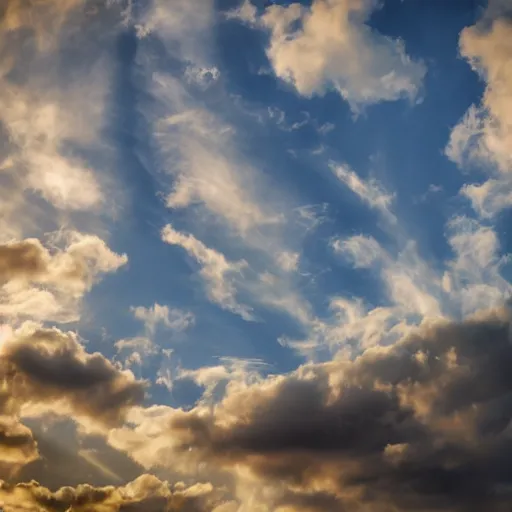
x=422 y=425
x=51 y=367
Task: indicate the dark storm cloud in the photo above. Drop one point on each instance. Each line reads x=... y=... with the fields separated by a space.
x=48 y=365
x=422 y=425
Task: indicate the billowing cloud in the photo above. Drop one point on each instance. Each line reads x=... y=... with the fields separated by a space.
x=422 y=425
x=43 y=284
x=45 y=369
x=145 y=493
x=484 y=135
x=330 y=46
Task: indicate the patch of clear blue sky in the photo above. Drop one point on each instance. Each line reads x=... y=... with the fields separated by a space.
x=398 y=143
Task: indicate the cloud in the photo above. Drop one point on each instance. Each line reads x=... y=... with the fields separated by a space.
x=370 y=191
x=409 y=282
x=217 y=272
x=184 y=27
x=49 y=113
x=423 y=423
x=50 y=368
x=245 y=12
x=43 y=284
x=135 y=350
x=17 y=446
x=473 y=277
x=342 y=52
x=209 y=172
x=203 y=77
x=483 y=137
x=233 y=372
x=147 y=492
x=168 y=318
x=44 y=20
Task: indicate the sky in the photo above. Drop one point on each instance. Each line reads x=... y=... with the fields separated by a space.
x=254 y=255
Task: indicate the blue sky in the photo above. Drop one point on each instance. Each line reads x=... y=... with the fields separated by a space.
x=209 y=206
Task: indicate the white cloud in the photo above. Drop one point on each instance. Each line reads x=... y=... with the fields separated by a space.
x=207 y=170
x=410 y=284
x=183 y=25
x=217 y=272
x=471 y=280
x=245 y=12
x=490 y=197
x=484 y=135
x=473 y=277
x=135 y=350
x=363 y=251
x=370 y=191
x=169 y=318
x=53 y=110
x=231 y=373
x=329 y=45
x=288 y=261
x=49 y=284
x=203 y=77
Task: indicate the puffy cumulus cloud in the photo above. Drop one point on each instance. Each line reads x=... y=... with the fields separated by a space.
x=484 y=135
x=146 y=493
x=370 y=191
x=43 y=284
x=168 y=318
x=330 y=46
x=45 y=369
x=216 y=270
x=420 y=425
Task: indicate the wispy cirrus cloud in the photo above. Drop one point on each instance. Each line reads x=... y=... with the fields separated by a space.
x=217 y=272
x=369 y=191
